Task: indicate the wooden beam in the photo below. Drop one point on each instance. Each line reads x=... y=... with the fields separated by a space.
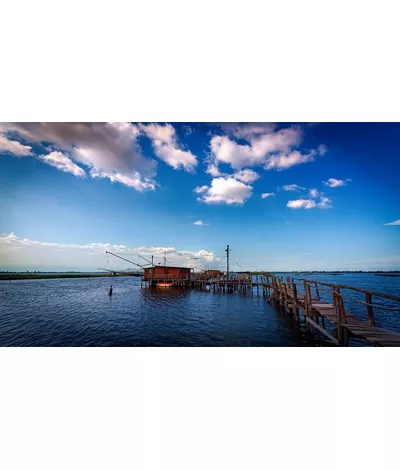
x=322 y=330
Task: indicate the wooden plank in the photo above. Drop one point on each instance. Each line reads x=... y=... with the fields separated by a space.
x=322 y=330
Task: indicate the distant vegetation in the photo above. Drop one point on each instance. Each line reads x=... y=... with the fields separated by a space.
x=9 y=276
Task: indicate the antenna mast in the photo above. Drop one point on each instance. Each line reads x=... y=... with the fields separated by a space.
x=227 y=262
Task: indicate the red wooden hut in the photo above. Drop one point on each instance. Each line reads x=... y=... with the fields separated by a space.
x=166 y=276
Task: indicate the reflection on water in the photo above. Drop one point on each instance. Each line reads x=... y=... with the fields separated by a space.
x=79 y=312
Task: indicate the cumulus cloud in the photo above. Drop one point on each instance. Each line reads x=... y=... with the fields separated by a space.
x=108 y=149
x=336 y=183
x=314 y=193
x=227 y=190
x=166 y=147
x=14 y=147
x=62 y=163
x=395 y=222
x=266 y=146
x=324 y=203
x=17 y=252
x=301 y=204
x=246 y=176
x=292 y=187
x=199 y=222
x=265 y=195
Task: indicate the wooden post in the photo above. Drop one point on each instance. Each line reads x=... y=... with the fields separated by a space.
x=285 y=294
x=370 y=310
x=317 y=291
x=307 y=303
x=294 y=288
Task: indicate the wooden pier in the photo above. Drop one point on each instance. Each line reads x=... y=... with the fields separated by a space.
x=346 y=324
x=302 y=296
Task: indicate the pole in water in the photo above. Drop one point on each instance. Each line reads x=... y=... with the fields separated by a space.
x=110 y=293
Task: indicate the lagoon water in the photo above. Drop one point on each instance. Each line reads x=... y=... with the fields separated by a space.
x=79 y=312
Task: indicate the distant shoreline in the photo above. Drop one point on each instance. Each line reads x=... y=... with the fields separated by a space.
x=25 y=276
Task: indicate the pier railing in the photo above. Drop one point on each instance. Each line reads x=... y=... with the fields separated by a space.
x=322 y=301
x=336 y=289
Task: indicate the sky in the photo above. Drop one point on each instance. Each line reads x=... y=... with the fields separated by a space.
x=284 y=196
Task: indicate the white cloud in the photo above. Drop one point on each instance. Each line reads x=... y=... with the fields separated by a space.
x=14 y=147
x=226 y=190
x=325 y=203
x=133 y=180
x=63 y=163
x=336 y=183
x=301 y=204
x=265 y=195
x=282 y=162
x=266 y=147
x=166 y=146
x=395 y=222
x=247 y=130
x=246 y=176
x=23 y=252
x=106 y=148
x=314 y=193
x=200 y=189
x=212 y=169
x=199 y=222
x=292 y=187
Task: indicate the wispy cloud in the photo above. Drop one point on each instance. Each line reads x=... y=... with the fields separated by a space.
x=14 y=147
x=265 y=195
x=336 y=183
x=395 y=222
x=292 y=187
x=314 y=193
x=284 y=161
x=200 y=222
x=62 y=163
x=324 y=203
x=23 y=251
x=200 y=189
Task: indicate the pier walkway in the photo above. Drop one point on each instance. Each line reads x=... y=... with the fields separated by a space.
x=315 y=311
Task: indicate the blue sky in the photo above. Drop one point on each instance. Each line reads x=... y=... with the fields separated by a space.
x=284 y=196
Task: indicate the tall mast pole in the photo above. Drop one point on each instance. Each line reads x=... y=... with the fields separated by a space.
x=227 y=262
x=128 y=260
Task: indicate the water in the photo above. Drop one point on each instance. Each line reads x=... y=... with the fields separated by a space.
x=79 y=312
